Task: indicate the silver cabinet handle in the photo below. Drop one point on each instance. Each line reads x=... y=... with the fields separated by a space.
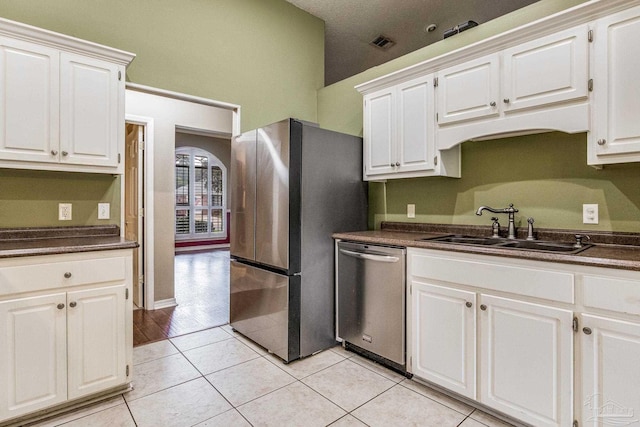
x=602 y=141
x=392 y=165
x=483 y=307
x=397 y=163
x=54 y=153
x=371 y=257
x=587 y=331
x=492 y=103
x=64 y=153
x=506 y=100
x=60 y=306
x=468 y=304
x=67 y=275
x=72 y=304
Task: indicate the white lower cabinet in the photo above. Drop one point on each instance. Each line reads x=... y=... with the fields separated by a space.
x=610 y=351
x=526 y=360
x=62 y=343
x=446 y=319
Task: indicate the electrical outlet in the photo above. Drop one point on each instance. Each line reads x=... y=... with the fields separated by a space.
x=104 y=210
x=64 y=211
x=590 y=214
x=411 y=211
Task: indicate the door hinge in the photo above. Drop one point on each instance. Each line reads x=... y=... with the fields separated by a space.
x=119 y=158
x=126 y=293
x=437 y=117
x=410 y=289
x=590 y=85
x=119 y=75
x=435 y=82
x=141 y=146
x=141 y=279
x=575 y=324
x=127 y=370
x=590 y=36
x=141 y=212
x=575 y=423
x=435 y=160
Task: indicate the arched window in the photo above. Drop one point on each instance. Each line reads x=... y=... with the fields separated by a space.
x=200 y=195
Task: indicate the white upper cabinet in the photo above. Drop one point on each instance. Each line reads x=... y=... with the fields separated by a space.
x=549 y=70
x=62 y=106
x=29 y=102
x=615 y=133
x=469 y=90
x=399 y=133
x=541 y=85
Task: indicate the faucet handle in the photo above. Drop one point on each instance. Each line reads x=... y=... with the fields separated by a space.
x=512 y=209
x=579 y=238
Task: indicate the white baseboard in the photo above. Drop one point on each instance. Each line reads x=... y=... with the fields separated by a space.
x=165 y=303
x=201 y=248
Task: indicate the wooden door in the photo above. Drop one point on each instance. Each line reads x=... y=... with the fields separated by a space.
x=33 y=356
x=133 y=203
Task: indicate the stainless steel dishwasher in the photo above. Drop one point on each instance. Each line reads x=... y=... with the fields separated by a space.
x=371 y=301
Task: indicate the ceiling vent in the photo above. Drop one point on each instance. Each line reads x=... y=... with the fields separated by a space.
x=382 y=42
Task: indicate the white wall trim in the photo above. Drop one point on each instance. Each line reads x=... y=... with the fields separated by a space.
x=148 y=243
x=184 y=249
x=191 y=98
x=165 y=303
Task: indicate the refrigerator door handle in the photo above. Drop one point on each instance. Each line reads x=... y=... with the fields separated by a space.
x=371 y=257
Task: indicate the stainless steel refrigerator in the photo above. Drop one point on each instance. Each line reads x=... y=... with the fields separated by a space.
x=292 y=186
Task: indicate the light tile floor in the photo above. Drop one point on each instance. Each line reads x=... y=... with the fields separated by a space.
x=218 y=378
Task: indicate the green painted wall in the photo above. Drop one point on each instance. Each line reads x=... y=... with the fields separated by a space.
x=265 y=55
x=30 y=198
x=545 y=176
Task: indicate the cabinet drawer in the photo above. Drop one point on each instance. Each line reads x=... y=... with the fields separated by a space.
x=49 y=275
x=621 y=295
x=521 y=280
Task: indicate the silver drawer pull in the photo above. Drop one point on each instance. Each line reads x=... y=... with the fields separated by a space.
x=60 y=306
x=602 y=141
x=468 y=304
x=72 y=304
x=483 y=307
x=54 y=153
x=587 y=331
x=371 y=257
x=67 y=275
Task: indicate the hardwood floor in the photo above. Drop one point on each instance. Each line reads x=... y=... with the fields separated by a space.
x=202 y=293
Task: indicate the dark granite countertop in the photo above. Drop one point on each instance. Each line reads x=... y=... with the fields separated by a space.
x=611 y=250
x=21 y=242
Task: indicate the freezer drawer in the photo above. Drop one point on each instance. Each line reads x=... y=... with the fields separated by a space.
x=261 y=306
x=371 y=299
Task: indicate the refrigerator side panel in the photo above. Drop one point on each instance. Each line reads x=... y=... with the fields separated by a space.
x=261 y=307
x=334 y=199
x=272 y=196
x=243 y=195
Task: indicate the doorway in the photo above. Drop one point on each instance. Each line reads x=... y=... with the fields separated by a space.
x=134 y=204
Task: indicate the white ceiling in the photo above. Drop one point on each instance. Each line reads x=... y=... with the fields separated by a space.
x=350 y=25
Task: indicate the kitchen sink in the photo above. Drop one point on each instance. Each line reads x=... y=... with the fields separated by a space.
x=525 y=245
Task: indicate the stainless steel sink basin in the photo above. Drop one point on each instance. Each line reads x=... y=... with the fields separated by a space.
x=525 y=245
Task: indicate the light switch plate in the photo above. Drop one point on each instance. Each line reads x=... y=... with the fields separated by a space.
x=590 y=214
x=104 y=210
x=64 y=211
x=411 y=211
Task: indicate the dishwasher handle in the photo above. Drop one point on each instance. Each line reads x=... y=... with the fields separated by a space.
x=371 y=257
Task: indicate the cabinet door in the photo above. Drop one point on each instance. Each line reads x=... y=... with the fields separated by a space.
x=526 y=361
x=380 y=133
x=416 y=139
x=29 y=111
x=610 y=372
x=616 y=128
x=548 y=70
x=444 y=337
x=469 y=90
x=96 y=340
x=33 y=357
x=90 y=125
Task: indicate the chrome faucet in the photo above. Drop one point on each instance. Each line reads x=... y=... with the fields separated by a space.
x=511 y=231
